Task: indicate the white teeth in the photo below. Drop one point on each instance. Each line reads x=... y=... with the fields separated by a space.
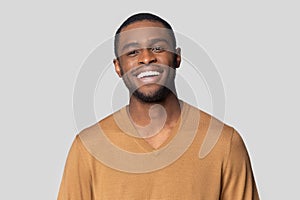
x=148 y=73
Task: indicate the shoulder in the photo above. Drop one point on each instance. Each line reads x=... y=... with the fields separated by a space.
x=210 y=122
x=107 y=123
x=215 y=135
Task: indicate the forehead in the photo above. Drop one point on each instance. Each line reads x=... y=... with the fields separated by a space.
x=142 y=24
x=144 y=31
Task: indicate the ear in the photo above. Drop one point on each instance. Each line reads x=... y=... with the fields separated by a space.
x=117 y=67
x=177 y=57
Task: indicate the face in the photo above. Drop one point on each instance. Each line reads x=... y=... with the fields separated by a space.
x=147 y=60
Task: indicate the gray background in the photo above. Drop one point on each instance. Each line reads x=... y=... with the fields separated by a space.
x=254 y=45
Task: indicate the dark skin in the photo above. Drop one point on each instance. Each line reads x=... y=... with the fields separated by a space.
x=142 y=50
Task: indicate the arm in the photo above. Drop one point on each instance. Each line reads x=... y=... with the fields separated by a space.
x=238 y=181
x=76 y=180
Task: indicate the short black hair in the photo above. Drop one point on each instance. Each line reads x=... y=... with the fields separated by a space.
x=140 y=17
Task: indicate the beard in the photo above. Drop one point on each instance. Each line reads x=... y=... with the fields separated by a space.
x=158 y=96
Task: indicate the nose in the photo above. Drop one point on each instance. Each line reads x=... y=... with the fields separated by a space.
x=146 y=57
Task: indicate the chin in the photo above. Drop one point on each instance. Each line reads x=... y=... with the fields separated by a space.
x=157 y=96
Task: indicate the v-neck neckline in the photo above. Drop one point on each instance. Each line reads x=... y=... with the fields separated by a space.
x=141 y=159
x=124 y=122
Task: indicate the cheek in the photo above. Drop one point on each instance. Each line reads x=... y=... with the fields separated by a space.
x=127 y=65
x=168 y=60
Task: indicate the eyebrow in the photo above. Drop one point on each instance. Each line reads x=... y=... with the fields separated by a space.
x=152 y=41
x=131 y=44
x=156 y=40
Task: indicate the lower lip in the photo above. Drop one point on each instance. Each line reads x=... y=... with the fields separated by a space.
x=151 y=79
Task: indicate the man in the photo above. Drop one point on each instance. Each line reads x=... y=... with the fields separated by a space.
x=157 y=147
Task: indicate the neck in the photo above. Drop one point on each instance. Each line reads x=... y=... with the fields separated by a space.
x=165 y=113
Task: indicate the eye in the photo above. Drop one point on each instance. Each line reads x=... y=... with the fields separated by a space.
x=158 y=49
x=133 y=52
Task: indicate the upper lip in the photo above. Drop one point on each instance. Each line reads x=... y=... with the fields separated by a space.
x=145 y=68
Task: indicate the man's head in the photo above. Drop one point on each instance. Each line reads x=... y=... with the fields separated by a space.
x=141 y=17
x=146 y=57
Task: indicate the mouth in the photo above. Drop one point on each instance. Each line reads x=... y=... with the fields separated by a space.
x=148 y=74
x=148 y=77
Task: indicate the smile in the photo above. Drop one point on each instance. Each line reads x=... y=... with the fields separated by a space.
x=148 y=74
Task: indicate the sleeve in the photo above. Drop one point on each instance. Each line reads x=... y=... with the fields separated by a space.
x=76 y=180
x=238 y=180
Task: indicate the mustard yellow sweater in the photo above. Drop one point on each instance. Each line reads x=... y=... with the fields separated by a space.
x=203 y=159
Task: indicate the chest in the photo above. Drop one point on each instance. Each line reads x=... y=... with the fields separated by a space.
x=186 y=178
